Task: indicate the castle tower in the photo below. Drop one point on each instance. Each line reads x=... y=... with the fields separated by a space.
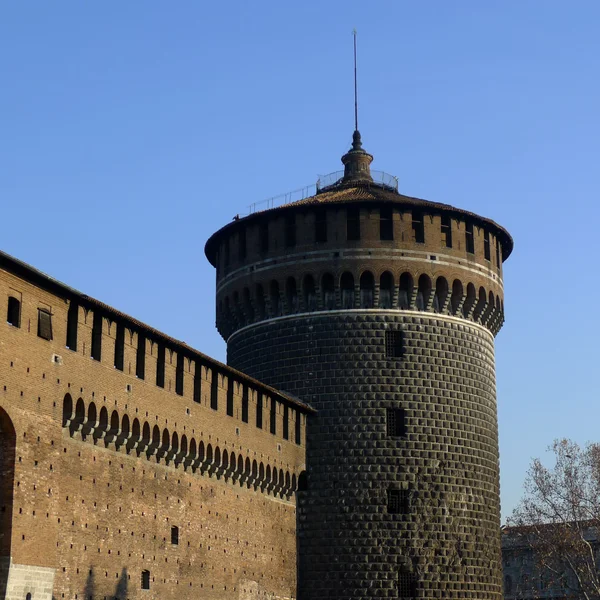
x=380 y=310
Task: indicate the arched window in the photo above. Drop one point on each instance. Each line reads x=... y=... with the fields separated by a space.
x=8 y=441
x=310 y=296
x=457 y=295
x=145 y=580
x=347 y=289
x=481 y=302
x=423 y=292
x=248 y=310
x=67 y=410
x=405 y=291
x=328 y=291
x=470 y=300
x=275 y=299
x=441 y=293
x=367 y=290
x=291 y=294
x=260 y=301
x=28 y=596
x=13 y=314
x=386 y=290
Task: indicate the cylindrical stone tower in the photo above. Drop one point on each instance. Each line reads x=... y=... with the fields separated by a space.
x=380 y=310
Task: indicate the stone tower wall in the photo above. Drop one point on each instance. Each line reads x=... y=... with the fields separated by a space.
x=445 y=541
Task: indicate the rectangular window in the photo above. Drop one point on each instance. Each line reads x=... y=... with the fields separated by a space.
x=407 y=585
x=386 y=224
x=418 y=227
x=175 y=535
x=197 y=382
x=395 y=422
x=264 y=237
x=179 y=374
x=498 y=253
x=245 y=404
x=486 y=245
x=229 y=397
x=13 y=315
x=320 y=226
x=97 y=336
x=160 y=366
x=290 y=230
x=298 y=436
x=286 y=424
x=242 y=244
x=120 y=347
x=353 y=223
x=397 y=502
x=214 y=391
x=273 y=416
x=446 y=231
x=44 y=324
x=259 y=410
x=145 y=580
x=394 y=343
x=72 y=322
x=469 y=240
x=140 y=357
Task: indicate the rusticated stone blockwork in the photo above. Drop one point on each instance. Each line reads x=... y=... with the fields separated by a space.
x=389 y=511
x=131 y=465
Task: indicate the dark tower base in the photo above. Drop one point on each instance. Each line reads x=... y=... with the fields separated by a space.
x=402 y=458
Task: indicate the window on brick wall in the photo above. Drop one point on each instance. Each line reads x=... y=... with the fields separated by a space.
x=179 y=374
x=245 y=404
x=273 y=416
x=286 y=423
x=175 y=535
x=290 y=230
x=397 y=502
x=264 y=236
x=72 y=322
x=394 y=343
x=160 y=366
x=486 y=245
x=407 y=585
x=418 y=227
x=120 y=347
x=197 y=382
x=214 y=389
x=469 y=239
x=259 y=410
x=446 y=231
x=140 y=357
x=145 y=580
x=44 y=324
x=229 y=397
x=242 y=244
x=395 y=422
x=353 y=223
x=13 y=314
x=298 y=435
x=386 y=223
x=96 y=349
x=320 y=226
x=498 y=253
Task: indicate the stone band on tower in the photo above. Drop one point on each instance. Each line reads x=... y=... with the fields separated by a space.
x=380 y=310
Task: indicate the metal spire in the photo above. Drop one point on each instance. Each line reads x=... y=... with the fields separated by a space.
x=355 y=86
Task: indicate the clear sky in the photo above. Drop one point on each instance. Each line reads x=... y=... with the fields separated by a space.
x=130 y=131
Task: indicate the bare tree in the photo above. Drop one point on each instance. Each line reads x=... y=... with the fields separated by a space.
x=558 y=518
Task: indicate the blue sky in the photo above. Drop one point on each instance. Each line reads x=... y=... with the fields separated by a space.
x=130 y=131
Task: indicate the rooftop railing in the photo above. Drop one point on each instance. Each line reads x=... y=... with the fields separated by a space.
x=324 y=183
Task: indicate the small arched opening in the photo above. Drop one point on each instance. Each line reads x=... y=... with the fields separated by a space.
x=291 y=295
x=248 y=310
x=275 y=299
x=469 y=300
x=457 y=295
x=347 y=289
x=367 y=290
x=386 y=290
x=67 y=415
x=405 y=291
x=424 y=291
x=441 y=294
x=310 y=296
x=328 y=290
x=260 y=301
